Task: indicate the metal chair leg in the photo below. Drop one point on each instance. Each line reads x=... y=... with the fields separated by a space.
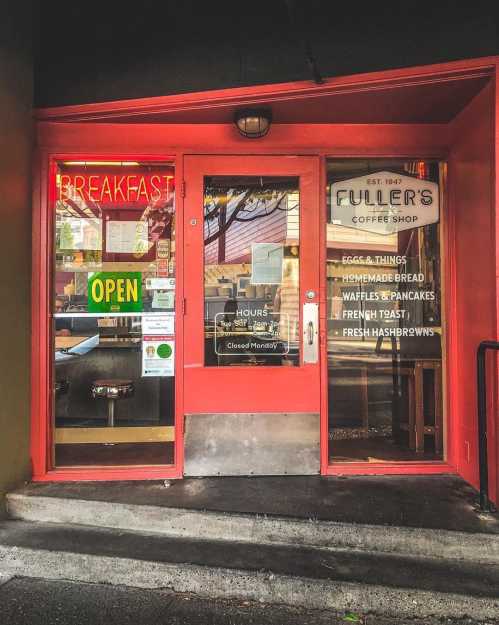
x=110 y=412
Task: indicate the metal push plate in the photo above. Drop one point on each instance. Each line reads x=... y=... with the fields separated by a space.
x=310 y=333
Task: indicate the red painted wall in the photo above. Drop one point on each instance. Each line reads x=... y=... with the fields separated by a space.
x=468 y=143
x=473 y=268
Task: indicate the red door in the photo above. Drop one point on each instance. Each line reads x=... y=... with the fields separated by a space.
x=251 y=270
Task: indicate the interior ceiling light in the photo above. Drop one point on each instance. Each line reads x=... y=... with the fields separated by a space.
x=253 y=123
x=100 y=163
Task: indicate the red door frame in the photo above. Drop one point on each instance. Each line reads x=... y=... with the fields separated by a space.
x=77 y=138
x=293 y=389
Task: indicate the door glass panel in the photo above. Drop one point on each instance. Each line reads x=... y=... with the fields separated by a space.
x=251 y=271
x=113 y=314
x=384 y=323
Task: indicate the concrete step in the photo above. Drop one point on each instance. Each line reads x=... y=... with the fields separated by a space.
x=278 y=574
x=254 y=529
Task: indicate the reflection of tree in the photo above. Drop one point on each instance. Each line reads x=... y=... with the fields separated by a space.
x=249 y=206
x=66 y=237
x=159 y=214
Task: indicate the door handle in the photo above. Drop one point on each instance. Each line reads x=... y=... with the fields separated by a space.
x=310 y=333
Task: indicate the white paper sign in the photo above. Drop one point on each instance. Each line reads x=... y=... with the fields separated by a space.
x=266 y=263
x=158 y=324
x=384 y=203
x=157 y=284
x=163 y=300
x=158 y=357
x=127 y=237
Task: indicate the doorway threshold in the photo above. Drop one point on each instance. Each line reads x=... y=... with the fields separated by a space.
x=443 y=502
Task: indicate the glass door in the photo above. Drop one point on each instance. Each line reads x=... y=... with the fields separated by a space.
x=251 y=277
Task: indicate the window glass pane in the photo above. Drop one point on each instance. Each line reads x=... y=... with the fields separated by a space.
x=384 y=318
x=113 y=305
x=251 y=271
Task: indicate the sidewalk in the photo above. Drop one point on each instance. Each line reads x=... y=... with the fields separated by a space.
x=443 y=502
x=26 y=601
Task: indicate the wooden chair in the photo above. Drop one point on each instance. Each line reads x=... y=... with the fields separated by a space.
x=415 y=425
x=420 y=429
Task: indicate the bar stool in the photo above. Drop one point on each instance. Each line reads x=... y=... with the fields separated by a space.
x=112 y=390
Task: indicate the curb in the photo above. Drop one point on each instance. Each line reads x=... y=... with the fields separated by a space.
x=212 y=582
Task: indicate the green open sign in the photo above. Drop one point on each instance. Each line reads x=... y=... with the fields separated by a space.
x=115 y=291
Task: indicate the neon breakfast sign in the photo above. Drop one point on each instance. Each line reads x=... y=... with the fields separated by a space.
x=384 y=203
x=113 y=188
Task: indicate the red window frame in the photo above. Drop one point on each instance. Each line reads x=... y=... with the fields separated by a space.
x=42 y=340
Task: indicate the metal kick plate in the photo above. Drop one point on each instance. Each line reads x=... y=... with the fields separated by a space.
x=310 y=333
x=252 y=444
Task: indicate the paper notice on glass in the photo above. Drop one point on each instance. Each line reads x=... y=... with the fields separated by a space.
x=127 y=237
x=77 y=233
x=162 y=268
x=160 y=284
x=163 y=249
x=158 y=357
x=163 y=299
x=266 y=263
x=158 y=324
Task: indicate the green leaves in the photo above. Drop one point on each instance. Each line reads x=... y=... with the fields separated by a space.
x=352 y=617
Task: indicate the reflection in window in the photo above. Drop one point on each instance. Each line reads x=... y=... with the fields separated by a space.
x=384 y=311
x=113 y=304
x=251 y=271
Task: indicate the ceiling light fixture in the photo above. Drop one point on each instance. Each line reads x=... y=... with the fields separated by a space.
x=253 y=123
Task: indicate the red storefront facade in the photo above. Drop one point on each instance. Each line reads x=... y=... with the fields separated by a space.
x=441 y=116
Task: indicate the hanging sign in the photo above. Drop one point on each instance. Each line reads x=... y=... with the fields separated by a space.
x=115 y=291
x=158 y=356
x=384 y=203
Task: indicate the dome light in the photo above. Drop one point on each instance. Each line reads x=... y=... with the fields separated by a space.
x=253 y=124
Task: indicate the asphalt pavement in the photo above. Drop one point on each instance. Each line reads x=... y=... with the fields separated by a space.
x=27 y=601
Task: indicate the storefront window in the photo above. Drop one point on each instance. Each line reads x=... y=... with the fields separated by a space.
x=251 y=271
x=384 y=321
x=114 y=314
